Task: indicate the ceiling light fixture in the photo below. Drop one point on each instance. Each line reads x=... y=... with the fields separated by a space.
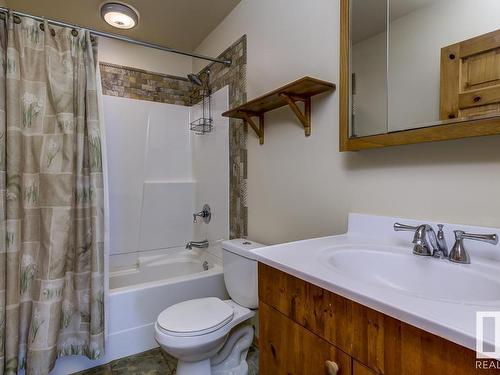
x=119 y=15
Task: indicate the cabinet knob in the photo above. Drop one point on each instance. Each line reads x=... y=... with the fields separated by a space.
x=331 y=368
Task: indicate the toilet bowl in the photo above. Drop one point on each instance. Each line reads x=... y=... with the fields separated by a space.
x=209 y=335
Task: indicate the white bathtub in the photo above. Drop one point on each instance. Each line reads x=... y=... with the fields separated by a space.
x=138 y=294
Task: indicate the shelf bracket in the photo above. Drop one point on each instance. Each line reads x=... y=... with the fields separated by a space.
x=258 y=129
x=304 y=117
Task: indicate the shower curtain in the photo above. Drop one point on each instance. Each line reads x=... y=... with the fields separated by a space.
x=52 y=228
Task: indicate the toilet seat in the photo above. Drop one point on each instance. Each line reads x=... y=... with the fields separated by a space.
x=195 y=317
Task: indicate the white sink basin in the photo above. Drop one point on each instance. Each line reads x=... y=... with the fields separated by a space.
x=374 y=266
x=424 y=277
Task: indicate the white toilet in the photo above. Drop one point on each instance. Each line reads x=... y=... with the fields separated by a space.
x=211 y=336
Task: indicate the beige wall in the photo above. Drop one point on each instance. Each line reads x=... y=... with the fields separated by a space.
x=121 y=53
x=303 y=187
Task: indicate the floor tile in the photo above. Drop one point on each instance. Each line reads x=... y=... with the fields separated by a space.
x=156 y=362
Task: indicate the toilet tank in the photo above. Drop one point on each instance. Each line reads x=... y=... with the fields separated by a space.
x=240 y=271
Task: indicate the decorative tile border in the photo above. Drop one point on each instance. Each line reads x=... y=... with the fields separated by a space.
x=234 y=76
x=127 y=82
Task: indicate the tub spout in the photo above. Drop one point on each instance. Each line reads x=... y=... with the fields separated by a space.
x=197 y=244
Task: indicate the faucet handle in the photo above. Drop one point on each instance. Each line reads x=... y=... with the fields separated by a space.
x=459 y=254
x=489 y=238
x=398 y=227
x=205 y=214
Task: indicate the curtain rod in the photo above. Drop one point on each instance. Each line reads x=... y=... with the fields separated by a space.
x=119 y=37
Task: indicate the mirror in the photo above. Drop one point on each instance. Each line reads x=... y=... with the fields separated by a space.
x=415 y=64
x=369 y=94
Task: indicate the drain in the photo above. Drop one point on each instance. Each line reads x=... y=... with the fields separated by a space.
x=205 y=266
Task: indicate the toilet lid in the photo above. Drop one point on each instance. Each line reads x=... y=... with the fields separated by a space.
x=195 y=317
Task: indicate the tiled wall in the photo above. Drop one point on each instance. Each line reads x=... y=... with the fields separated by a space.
x=234 y=76
x=139 y=84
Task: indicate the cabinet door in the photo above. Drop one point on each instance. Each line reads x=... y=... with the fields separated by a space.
x=470 y=77
x=359 y=369
x=288 y=348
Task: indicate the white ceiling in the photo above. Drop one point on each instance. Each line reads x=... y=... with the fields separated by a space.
x=181 y=24
x=369 y=16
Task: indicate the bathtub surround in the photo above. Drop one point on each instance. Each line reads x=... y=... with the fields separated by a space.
x=133 y=83
x=52 y=301
x=158 y=184
x=151 y=184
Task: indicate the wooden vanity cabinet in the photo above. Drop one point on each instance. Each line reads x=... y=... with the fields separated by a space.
x=289 y=348
x=302 y=326
x=360 y=369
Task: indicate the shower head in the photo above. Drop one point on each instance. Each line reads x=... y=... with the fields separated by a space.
x=195 y=78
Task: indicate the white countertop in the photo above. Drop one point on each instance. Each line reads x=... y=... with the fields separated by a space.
x=452 y=320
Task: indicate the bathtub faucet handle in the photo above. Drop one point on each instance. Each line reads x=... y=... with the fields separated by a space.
x=205 y=214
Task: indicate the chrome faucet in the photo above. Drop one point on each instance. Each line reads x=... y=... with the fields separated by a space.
x=197 y=244
x=425 y=234
x=425 y=240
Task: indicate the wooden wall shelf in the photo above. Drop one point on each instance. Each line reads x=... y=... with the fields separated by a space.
x=300 y=90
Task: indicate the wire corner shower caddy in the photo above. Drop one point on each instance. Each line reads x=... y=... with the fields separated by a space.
x=202 y=96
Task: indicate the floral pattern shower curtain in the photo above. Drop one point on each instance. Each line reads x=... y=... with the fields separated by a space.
x=51 y=245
